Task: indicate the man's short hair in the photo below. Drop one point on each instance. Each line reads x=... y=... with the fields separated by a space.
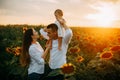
x=53 y=27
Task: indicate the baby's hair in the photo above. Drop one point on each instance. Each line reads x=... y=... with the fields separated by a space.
x=59 y=11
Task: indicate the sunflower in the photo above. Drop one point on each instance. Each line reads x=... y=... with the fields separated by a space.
x=74 y=50
x=78 y=37
x=17 y=51
x=119 y=39
x=24 y=29
x=76 y=33
x=68 y=68
x=9 y=50
x=106 y=55
x=115 y=48
x=79 y=59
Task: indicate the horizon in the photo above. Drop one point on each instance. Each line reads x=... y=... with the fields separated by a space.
x=102 y=13
x=69 y=26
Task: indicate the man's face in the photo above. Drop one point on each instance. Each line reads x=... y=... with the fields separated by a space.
x=51 y=34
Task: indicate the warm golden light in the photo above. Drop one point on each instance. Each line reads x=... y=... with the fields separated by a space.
x=80 y=13
x=104 y=17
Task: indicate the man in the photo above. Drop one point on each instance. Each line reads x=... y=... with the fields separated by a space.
x=57 y=57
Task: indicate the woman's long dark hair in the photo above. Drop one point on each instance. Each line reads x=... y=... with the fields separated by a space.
x=27 y=40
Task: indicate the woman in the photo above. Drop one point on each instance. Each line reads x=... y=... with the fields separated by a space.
x=31 y=55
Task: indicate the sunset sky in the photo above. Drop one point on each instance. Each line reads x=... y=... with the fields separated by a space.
x=76 y=12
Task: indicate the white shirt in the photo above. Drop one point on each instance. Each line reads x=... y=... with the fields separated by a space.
x=61 y=30
x=36 y=61
x=57 y=57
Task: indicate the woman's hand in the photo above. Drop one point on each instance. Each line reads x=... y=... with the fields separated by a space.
x=46 y=51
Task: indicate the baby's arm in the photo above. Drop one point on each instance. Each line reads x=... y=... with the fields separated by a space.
x=62 y=22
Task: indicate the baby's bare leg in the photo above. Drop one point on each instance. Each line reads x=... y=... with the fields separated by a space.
x=59 y=43
x=50 y=44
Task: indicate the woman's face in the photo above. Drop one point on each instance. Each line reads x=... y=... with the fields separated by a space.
x=35 y=35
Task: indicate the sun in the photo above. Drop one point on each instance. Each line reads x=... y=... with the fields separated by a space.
x=104 y=17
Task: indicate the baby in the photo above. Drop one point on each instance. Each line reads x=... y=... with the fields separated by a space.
x=60 y=23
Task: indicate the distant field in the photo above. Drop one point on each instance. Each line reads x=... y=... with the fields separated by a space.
x=94 y=51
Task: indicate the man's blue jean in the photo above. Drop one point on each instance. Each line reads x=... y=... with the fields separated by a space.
x=58 y=77
x=35 y=76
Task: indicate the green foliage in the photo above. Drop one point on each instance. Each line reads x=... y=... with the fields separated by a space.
x=91 y=41
x=54 y=72
x=11 y=36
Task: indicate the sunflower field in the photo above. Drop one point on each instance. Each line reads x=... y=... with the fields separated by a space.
x=93 y=54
